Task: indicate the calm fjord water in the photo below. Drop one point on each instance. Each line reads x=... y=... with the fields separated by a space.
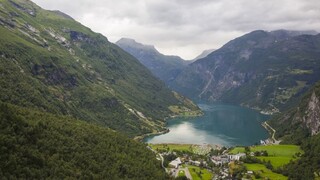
x=221 y=124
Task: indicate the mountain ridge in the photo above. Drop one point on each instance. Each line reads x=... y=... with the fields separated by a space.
x=248 y=71
x=162 y=66
x=203 y=54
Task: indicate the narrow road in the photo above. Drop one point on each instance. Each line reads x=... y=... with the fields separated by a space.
x=273 y=133
x=162 y=160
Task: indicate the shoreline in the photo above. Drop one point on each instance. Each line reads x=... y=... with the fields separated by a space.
x=143 y=136
x=266 y=126
x=185 y=116
x=167 y=130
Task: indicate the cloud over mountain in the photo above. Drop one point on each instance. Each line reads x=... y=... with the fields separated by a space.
x=187 y=27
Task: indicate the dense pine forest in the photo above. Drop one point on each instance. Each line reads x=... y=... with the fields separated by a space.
x=37 y=145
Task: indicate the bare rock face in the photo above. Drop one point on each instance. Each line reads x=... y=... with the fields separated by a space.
x=312 y=118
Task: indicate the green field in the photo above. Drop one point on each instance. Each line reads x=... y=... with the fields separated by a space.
x=196 y=149
x=264 y=172
x=278 y=155
x=277 y=161
x=179 y=147
x=194 y=171
x=237 y=150
x=181 y=173
x=278 y=150
x=184 y=111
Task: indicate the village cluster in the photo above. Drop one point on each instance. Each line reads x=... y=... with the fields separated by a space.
x=220 y=161
x=214 y=160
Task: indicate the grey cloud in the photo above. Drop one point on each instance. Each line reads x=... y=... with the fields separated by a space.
x=186 y=27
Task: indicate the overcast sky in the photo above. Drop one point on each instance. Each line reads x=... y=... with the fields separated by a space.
x=187 y=27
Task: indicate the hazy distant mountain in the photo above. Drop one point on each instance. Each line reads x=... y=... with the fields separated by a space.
x=263 y=70
x=203 y=54
x=284 y=33
x=164 y=67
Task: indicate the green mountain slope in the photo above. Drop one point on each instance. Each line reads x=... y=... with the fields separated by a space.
x=164 y=67
x=50 y=62
x=301 y=125
x=37 y=145
x=301 y=121
x=308 y=166
x=268 y=71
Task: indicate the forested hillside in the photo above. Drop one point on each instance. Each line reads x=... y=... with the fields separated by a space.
x=37 y=145
x=51 y=62
x=308 y=166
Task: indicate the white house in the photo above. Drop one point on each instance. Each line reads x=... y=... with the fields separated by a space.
x=175 y=163
x=236 y=157
x=197 y=163
x=219 y=160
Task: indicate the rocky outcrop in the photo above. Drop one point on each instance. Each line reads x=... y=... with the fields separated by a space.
x=312 y=117
x=27 y=9
x=79 y=36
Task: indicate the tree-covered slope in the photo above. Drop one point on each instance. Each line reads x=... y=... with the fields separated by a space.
x=50 y=62
x=301 y=125
x=37 y=145
x=164 y=67
x=308 y=166
x=300 y=121
x=263 y=70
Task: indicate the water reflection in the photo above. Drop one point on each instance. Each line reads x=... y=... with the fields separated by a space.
x=222 y=124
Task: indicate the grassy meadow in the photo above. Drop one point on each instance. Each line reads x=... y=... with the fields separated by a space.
x=264 y=172
x=199 y=174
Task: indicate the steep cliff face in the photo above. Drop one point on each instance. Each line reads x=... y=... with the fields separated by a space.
x=262 y=70
x=312 y=117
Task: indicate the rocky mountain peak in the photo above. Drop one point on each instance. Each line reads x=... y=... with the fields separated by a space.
x=204 y=54
x=134 y=44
